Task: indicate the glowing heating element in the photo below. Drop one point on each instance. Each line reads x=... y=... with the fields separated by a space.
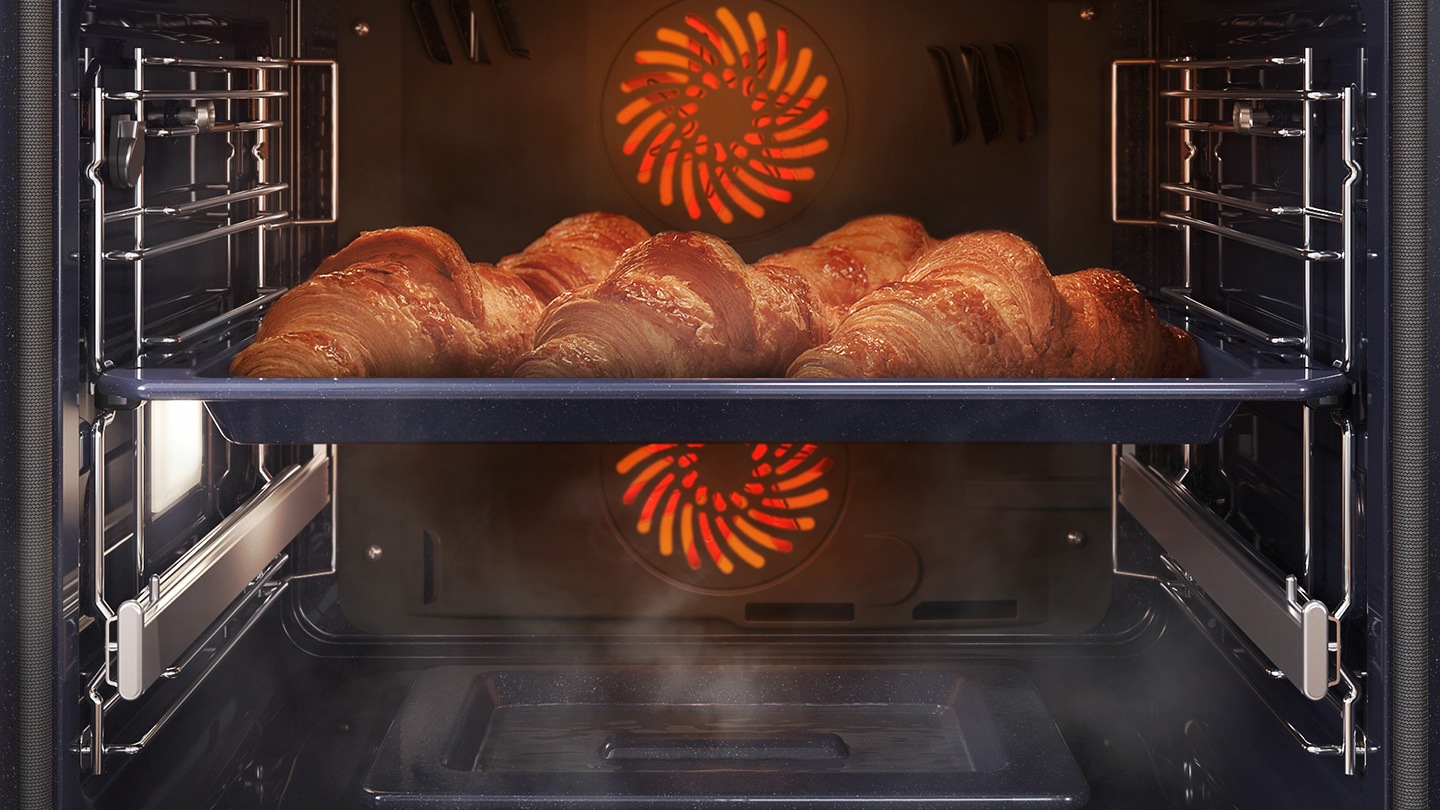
x=176 y=451
x=724 y=113
x=727 y=511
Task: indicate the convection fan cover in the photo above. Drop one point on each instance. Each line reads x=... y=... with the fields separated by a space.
x=724 y=518
x=724 y=118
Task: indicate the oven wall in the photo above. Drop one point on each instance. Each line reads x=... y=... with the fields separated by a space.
x=495 y=153
x=10 y=423
x=286 y=693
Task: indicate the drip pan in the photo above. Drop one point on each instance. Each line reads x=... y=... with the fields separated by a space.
x=975 y=737
x=342 y=411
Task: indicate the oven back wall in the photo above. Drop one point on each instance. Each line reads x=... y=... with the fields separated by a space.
x=496 y=153
x=505 y=539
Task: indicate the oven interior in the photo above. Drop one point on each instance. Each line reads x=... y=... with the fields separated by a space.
x=378 y=623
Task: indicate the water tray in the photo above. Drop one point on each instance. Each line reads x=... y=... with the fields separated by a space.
x=974 y=737
x=339 y=411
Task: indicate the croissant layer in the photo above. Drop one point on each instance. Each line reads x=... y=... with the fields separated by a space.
x=405 y=302
x=845 y=264
x=677 y=305
x=984 y=305
x=578 y=251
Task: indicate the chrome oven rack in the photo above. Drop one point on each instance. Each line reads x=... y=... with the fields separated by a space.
x=177 y=624
x=1291 y=632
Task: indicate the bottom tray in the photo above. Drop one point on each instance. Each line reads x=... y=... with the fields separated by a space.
x=340 y=411
x=977 y=737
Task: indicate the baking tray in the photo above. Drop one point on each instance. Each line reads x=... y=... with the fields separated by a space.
x=347 y=411
x=974 y=737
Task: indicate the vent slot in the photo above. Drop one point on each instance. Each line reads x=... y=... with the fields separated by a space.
x=966 y=610
x=800 y=612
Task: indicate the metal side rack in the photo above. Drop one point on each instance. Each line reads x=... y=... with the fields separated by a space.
x=1227 y=129
x=177 y=573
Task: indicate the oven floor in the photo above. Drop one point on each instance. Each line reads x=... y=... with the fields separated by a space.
x=977 y=735
x=1149 y=722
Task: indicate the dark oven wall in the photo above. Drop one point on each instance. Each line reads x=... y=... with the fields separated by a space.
x=495 y=153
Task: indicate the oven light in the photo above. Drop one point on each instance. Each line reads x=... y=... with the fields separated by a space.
x=177 y=451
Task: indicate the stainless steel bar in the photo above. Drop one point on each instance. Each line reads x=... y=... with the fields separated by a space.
x=180 y=339
x=191 y=130
x=1347 y=518
x=1307 y=201
x=1264 y=132
x=1255 y=95
x=189 y=188
x=194 y=95
x=136 y=258
x=97 y=724
x=1115 y=455
x=1307 y=227
x=1184 y=296
x=223 y=64
x=1234 y=64
x=183 y=209
x=232 y=142
x=1250 y=205
x=260 y=154
x=1292 y=633
x=263 y=190
x=1237 y=644
x=159 y=626
x=141 y=425
x=1347 y=217
x=98 y=219
x=1347 y=723
x=196 y=239
x=270 y=597
x=333 y=214
x=1187 y=177
x=98 y=511
x=1250 y=239
x=329 y=451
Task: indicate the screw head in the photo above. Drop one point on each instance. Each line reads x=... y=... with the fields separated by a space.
x=361 y=28
x=374 y=553
x=1088 y=13
x=1076 y=538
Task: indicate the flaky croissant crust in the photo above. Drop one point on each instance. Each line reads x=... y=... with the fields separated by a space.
x=984 y=305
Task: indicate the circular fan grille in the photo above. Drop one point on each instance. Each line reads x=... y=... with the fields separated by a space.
x=725 y=118
x=724 y=517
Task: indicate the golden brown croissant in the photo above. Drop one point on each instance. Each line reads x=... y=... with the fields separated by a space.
x=845 y=264
x=677 y=305
x=402 y=302
x=405 y=302
x=577 y=251
x=1113 y=332
x=984 y=305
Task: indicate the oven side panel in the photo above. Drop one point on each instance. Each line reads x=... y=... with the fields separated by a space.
x=1413 y=380
x=32 y=452
x=9 y=426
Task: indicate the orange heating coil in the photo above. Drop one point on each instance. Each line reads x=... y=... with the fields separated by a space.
x=729 y=115
x=729 y=523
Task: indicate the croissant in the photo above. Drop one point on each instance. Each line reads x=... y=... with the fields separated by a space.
x=984 y=305
x=845 y=264
x=402 y=302
x=577 y=251
x=1114 y=332
x=678 y=305
x=405 y=302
